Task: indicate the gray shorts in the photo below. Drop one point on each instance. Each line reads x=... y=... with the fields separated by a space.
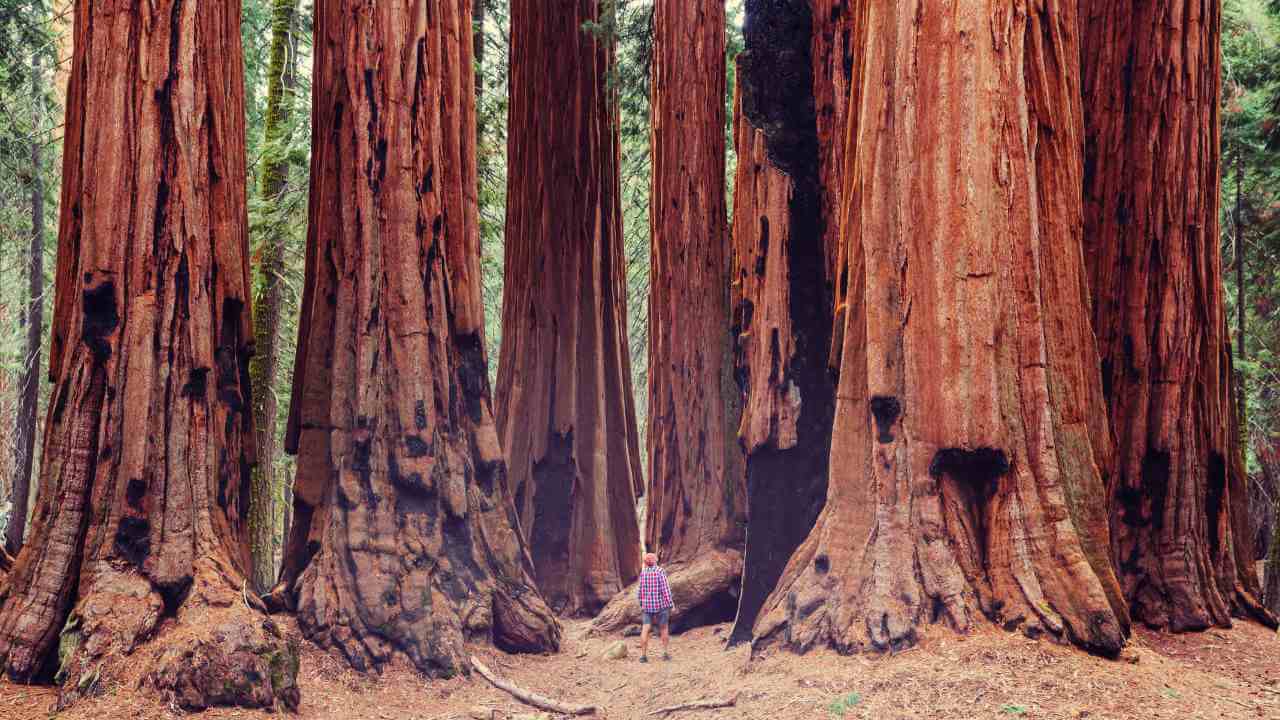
x=659 y=618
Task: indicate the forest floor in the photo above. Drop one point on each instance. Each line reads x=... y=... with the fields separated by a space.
x=1231 y=673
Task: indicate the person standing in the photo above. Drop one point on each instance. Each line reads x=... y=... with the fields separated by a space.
x=655 y=604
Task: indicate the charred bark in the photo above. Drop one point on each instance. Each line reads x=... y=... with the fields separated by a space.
x=1152 y=162
x=404 y=542
x=782 y=300
x=136 y=562
x=565 y=409
x=962 y=446
x=695 y=514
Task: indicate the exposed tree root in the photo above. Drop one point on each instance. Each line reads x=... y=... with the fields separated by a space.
x=693 y=587
x=209 y=650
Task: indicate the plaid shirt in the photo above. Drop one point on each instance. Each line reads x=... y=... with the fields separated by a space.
x=655 y=592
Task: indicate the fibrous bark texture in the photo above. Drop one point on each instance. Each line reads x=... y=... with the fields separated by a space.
x=832 y=52
x=565 y=409
x=266 y=307
x=695 y=514
x=961 y=443
x=404 y=540
x=1151 y=89
x=139 y=531
x=781 y=296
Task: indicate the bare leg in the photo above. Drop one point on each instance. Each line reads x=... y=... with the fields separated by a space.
x=644 y=640
x=666 y=639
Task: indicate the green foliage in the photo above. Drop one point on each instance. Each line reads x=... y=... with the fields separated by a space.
x=844 y=704
x=1013 y=710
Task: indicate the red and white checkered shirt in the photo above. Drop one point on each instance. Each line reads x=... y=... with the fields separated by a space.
x=655 y=592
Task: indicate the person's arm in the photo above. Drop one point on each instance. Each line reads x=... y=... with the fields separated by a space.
x=640 y=590
x=666 y=590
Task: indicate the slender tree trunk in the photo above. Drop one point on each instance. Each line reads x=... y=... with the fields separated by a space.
x=33 y=321
x=139 y=534
x=266 y=309
x=695 y=510
x=781 y=297
x=961 y=449
x=404 y=541
x=477 y=42
x=566 y=413
x=1151 y=91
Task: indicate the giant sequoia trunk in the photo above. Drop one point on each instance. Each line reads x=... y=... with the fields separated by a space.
x=832 y=52
x=266 y=307
x=962 y=458
x=404 y=541
x=1151 y=88
x=782 y=299
x=565 y=409
x=696 y=503
x=139 y=532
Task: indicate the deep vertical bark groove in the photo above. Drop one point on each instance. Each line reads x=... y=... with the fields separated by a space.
x=695 y=509
x=266 y=307
x=1152 y=162
x=33 y=321
x=404 y=541
x=962 y=441
x=140 y=529
x=781 y=294
x=566 y=413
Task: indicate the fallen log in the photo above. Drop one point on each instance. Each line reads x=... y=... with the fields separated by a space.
x=530 y=698
x=699 y=705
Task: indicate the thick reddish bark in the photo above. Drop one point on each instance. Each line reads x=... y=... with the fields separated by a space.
x=832 y=52
x=565 y=409
x=782 y=300
x=1151 y=89
x=962 y=457
x=696 y=509
x=404 y=541
x=139 y=530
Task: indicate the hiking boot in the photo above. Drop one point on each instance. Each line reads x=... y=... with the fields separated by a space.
x=644 y=658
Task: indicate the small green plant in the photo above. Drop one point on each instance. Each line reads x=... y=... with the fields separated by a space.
x=1171 y=693
x=843 y=704
x=1013 y=710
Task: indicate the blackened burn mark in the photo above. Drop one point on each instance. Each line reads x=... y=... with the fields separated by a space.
x=174 y=594
x=416 y=447
x=553 y=499
x=228 y=355
x=885 y=410
x=787 y=487
x=1214 y=496
x=420 y=415
x=197 y=383
x=133 y=539
x=135 y=491
x=972 y=477
x=473 y=375
x=100 y=319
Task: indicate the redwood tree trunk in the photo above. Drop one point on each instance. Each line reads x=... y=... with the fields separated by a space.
x=565 y=409
x=781 y=295
x=962 y=457
x=832 y=52
x=695 y=514
x=139 y=531
x=266 y=307
x=404 y=542
x=33 y=321
x=1151 y=90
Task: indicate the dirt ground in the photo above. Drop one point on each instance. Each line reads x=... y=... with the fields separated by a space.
x=991 y=674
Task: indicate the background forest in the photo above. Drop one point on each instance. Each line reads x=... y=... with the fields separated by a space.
x=34 y=54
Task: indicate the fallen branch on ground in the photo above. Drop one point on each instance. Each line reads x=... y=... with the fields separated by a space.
x=530 y=698
x=699 y=705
